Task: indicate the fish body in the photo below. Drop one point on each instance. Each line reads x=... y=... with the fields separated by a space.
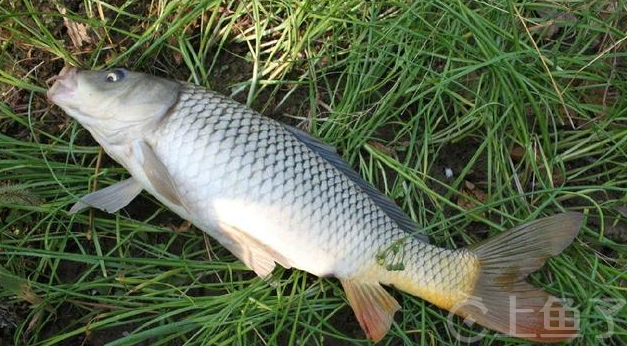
x=238 y=170
x=273 y=194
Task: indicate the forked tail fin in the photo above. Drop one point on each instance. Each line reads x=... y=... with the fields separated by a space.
x=502 y=300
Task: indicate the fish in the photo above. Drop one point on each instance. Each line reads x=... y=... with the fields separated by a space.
x=273 y=194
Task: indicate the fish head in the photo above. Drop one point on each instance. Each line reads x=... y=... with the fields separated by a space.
x=113 y=102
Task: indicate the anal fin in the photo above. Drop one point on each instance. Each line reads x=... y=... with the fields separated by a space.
x=111 y=198
x=373 y=306
x=257 y=256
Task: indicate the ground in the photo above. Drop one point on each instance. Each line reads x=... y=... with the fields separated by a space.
x=522 y=101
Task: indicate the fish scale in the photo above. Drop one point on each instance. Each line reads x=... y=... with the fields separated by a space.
x=272 y=194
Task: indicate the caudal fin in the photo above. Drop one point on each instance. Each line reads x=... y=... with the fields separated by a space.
x=513 y=306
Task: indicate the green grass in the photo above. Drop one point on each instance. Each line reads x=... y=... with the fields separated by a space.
x=526 y=100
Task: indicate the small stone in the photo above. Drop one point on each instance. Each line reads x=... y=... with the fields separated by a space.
x=448 y=173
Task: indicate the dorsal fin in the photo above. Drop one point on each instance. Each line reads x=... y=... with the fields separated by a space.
x=329 y=153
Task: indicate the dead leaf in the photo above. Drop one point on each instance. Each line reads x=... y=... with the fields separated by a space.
x=21 y=288
x=77 y=31
x=558 y=177
x=184 y=227
x=517 y=153
x=384 y=149
x=176 y=54
x=552 y=21
x=471 y=197
x=608 y=8
x=29 y=295
x=34 y=321
x=615 y=225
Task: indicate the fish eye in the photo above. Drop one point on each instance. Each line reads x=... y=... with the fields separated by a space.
x=115 y=76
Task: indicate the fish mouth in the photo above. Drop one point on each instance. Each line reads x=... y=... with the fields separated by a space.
x=64 y=87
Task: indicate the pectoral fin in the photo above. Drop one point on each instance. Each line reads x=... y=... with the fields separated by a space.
x=156 y=172
x=374 y=307
x=111 y=198
x=257 y=256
